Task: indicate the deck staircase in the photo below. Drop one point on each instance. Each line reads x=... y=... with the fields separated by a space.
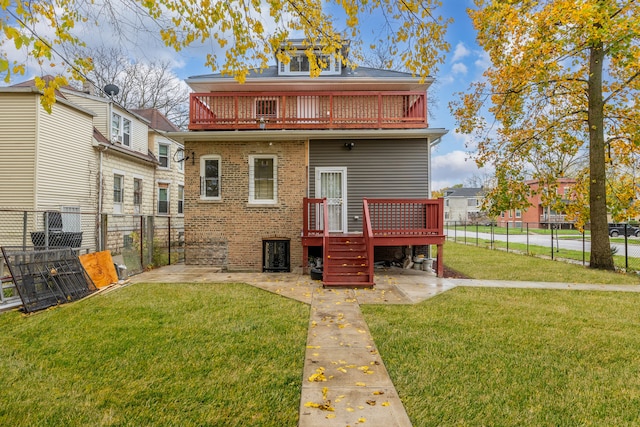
x=347 y=262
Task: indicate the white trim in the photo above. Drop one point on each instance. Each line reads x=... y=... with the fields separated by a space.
x=168 y=156
x=252 y=199
x=203 y=159
x=119 y=172
x=343 y=202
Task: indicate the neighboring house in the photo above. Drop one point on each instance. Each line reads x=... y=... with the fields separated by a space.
x=463 y=205
x=169 y=175
x=47 y=163
x=263 y=155
x=538 y=215
x=89 y=155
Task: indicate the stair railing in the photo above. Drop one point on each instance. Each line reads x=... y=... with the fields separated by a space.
x=367 y=232
x=325 y=237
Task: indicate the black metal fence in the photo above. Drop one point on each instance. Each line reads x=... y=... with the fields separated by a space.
x=138 y=242
x=556 y=241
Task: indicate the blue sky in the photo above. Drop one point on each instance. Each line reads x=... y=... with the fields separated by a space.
x=463 y=64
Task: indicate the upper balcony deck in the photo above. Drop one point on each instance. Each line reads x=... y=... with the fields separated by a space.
x=308 y=110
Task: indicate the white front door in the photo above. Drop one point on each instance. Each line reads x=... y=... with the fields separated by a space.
x=332 y=184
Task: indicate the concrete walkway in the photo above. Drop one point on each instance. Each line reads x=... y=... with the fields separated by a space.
x=344 y=380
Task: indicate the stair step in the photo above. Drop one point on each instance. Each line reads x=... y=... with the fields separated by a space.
x=348 y=284
x=335 y=278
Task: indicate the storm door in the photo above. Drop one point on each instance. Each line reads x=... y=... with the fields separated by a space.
x=332 y=184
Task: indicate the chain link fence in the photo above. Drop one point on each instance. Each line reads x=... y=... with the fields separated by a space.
x=137 y=242
x=554 y=240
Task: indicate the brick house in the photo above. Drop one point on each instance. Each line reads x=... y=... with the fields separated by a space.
x=285 y=167
x=538 y=214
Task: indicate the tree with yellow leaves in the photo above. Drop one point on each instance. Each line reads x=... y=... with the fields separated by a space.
x=565 y=75
x=249 y=33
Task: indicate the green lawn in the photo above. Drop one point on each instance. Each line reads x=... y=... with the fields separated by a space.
x=232 y=355
x=156 y=354
x=507 y=357
x=482 y=263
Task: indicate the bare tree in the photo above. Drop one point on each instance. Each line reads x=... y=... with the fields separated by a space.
x=142 y=84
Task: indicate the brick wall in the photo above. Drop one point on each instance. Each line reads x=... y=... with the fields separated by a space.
x=229 y=233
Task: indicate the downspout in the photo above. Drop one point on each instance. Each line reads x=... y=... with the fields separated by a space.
x=100 y=184
x=430 y=146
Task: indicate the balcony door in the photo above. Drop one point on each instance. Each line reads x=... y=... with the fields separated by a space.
x=332 y=184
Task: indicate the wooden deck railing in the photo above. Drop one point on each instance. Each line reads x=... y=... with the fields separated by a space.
x=308 y=110
x=406 y=217
x=313 y=222
x=368 y=235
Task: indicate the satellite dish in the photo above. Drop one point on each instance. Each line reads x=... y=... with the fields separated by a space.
x=111 y=90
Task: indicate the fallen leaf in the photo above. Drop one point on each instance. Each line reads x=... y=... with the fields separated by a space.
x=378 y=393
x=386 y=403
x=361 y=384
x=362 y=420
x=318 y=376
x=371 y=402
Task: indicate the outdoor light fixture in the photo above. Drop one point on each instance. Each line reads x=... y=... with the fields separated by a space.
x=349 y=145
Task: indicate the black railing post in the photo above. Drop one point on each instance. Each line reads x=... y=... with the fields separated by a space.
x=626 y=248
x=551 y=240
x=584 y=247
x=169 y=250
x=477 y=236
x=527 y=238
x=507 y=237
x=24 y=231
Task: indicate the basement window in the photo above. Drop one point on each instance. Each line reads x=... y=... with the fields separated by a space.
x=276 y=255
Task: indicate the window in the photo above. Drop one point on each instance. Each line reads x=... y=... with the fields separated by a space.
x=163 y=155
x=266 y=108
x=299 y=64
x=472 y=202
x=210 y=177
x=518 y=213
x=181 y=160
x=118 y=190
x=263 y=179
x=71 y=219
x=163 y=198
x=121 y=129
x=137 y=195
x=180 y=199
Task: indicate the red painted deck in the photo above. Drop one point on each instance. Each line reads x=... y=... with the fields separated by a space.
x=387 y=222
x=308 y=110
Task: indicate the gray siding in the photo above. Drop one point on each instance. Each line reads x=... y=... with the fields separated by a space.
x=375 y=169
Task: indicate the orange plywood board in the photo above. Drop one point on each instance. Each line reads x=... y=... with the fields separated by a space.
x=99 y=266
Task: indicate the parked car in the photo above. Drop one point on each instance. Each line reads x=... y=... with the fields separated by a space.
x=616 y=230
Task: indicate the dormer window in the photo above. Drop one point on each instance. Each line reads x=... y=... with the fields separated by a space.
x=299 y=65
x=120 y=129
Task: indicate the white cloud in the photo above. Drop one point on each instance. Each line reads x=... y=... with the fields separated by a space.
x=460 y=52
x=459 y=68
x=483 y=62
x=452 y=168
